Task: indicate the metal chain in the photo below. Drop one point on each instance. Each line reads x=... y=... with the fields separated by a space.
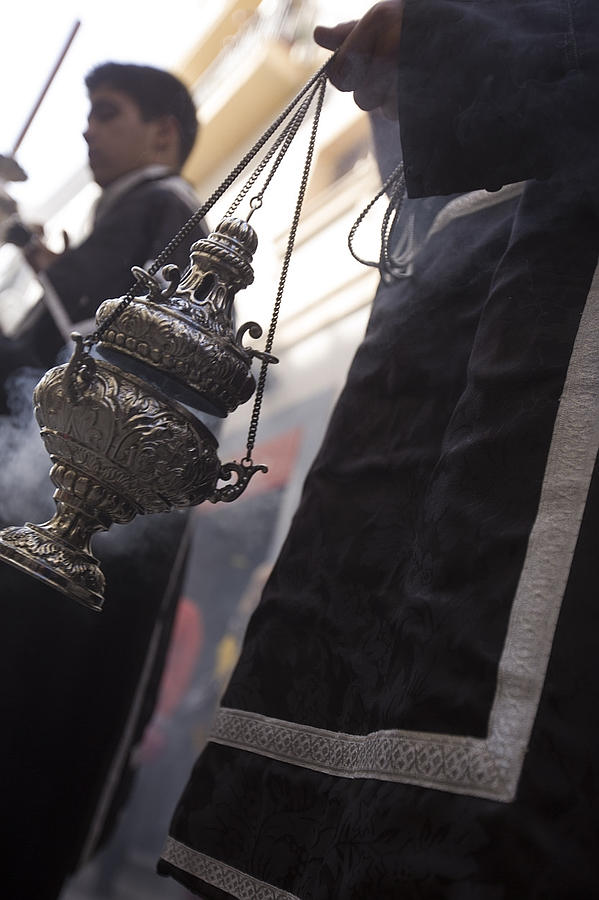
x=396 y=198
x=390 y=220
x=284 y=139
x=197 y=217
x=256 y=200
x=253 y=428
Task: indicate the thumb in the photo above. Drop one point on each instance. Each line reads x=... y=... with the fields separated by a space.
x=331 y=38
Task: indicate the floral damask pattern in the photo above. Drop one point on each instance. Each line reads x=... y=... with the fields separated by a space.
x=426 y=645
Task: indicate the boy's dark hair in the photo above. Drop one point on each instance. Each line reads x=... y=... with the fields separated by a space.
x=156 y=92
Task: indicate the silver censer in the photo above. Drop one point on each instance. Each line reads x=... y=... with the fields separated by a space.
x=120 y=424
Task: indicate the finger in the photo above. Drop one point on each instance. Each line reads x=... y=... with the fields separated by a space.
x=385 y=101
x=387 y=70
x=378 y=87
x=348 y=70
x=332 y=38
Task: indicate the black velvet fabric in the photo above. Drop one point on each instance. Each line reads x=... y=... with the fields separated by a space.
x=389 y=603
x=511 y=83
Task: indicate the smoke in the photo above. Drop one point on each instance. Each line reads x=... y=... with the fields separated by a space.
x=25 y=489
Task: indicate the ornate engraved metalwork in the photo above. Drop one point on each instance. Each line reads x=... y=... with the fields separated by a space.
x=119 y=445
x=46 y=552
x=186 y=330
x=119 y=448
x=244 y=473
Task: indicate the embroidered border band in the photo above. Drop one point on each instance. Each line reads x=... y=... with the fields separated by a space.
x=219 y=874
x=489 y=767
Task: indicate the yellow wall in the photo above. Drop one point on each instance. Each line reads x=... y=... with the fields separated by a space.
x=228 y=23
x=270 y=79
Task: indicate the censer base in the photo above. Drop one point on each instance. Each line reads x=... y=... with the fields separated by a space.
x=70 y=571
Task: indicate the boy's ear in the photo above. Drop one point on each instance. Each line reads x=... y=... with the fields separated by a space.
x=167 y=132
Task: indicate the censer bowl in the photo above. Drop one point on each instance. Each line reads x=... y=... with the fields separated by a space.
x=119 y=448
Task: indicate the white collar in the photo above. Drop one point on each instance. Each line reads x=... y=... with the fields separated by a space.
x=122 y=185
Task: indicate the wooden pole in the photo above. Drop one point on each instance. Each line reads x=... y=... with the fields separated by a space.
x=49 y=81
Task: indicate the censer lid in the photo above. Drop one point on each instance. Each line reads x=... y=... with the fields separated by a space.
x=186 y=331
x=231 y=247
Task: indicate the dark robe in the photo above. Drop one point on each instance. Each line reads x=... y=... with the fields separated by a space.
x=413 y=713
x=78 y=688
x=131 y=231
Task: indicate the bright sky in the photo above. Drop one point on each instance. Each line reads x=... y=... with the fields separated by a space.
x=33 y=36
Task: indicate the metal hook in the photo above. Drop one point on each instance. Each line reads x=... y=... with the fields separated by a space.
x=80 y=368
